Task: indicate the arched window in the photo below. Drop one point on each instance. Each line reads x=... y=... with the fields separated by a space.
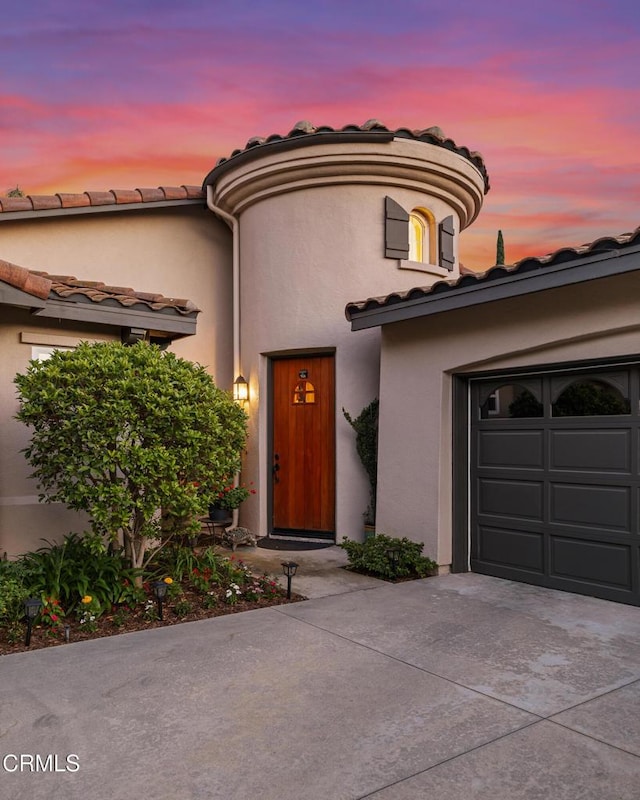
x=589 y=398
x=422 y=236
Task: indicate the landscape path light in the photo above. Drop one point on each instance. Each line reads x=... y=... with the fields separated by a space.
x=289 y=568
x=160 y=593
x=393 y=554
x=32 y=608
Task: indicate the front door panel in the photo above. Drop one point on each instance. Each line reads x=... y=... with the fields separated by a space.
x=303 y=465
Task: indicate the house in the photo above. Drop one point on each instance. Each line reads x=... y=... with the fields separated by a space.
x=284 y=235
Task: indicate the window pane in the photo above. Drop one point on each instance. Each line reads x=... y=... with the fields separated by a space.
x=416 y=238
x=304 y=393
x=588 y=398
x=509 y=402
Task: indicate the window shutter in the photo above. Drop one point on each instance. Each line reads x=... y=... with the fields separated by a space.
x=396 y=230
x=446 y=234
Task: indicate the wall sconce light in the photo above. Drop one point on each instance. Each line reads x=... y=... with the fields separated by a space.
x=160 y=592
x=289 y=568
x=240 y=390
x=32 y=608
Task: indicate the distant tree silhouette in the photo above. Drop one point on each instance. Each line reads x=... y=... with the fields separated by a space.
x=500 y=250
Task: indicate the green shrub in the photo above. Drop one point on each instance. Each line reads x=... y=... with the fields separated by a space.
x=76 y=568
x=13 y=592
x=182 y=607
x=373 y=557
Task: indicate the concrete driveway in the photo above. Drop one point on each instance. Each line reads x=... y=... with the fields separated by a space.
x=460 y=686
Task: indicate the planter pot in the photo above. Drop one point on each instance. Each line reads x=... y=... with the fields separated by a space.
x=217 y=514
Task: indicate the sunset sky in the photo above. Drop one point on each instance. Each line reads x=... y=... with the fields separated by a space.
x=136 y=93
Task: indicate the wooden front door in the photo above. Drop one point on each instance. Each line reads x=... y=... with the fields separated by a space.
x=303 y=465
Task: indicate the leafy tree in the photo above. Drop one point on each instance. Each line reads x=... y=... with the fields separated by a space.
x=16 y=192
x=121 y=432
x=500 y=250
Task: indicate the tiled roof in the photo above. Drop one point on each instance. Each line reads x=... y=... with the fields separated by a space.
x=433 y=135
x=114 y=197
x=65 y=287
x=23 y=279
x=525 y=265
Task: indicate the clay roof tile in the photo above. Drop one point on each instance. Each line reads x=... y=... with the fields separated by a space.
x=68 y=200
x=32 y=283
x=45 y=201
x=174 y=192
x=101 y=198
x=16 y=204
x=126 y=196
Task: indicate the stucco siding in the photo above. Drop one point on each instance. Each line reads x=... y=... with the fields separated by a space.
x=178 y=252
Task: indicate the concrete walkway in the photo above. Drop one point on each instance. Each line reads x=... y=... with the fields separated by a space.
x=451 y=688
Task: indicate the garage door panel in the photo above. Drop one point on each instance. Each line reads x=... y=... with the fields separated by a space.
x=591 y=450
x=511 y=449
x=603 y=507
x=511 y=548
x=509 y=498
x=606 y=564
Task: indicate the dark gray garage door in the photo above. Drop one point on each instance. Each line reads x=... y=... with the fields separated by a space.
x=555 y=481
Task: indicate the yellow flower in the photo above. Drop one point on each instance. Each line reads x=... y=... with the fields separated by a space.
x=87 y=599
x=168 y=580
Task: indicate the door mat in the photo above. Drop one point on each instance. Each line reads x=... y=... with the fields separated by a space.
x=287 y=544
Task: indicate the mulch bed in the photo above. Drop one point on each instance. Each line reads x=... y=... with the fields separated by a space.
x=124 y=621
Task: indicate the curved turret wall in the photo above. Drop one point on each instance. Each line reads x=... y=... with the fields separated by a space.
x=312 y=226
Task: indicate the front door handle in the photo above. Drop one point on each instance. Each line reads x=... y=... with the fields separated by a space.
x=276 y=468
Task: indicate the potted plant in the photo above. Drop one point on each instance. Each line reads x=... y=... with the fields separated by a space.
x=228 y=499
x=366 y=427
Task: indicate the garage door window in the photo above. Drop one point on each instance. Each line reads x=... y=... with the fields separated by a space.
x=590 y=398
x=511 y=401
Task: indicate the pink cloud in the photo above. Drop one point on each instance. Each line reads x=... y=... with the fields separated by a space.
x=563 y=160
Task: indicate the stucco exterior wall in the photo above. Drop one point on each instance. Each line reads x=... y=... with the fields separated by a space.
x=180 y=252
x=312 y=238
x=419 y=357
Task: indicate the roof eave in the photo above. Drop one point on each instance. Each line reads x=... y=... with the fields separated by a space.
x=172 y=324
x=12 y=296
x=45 y=213
x=579 y=270
x=281 y=145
